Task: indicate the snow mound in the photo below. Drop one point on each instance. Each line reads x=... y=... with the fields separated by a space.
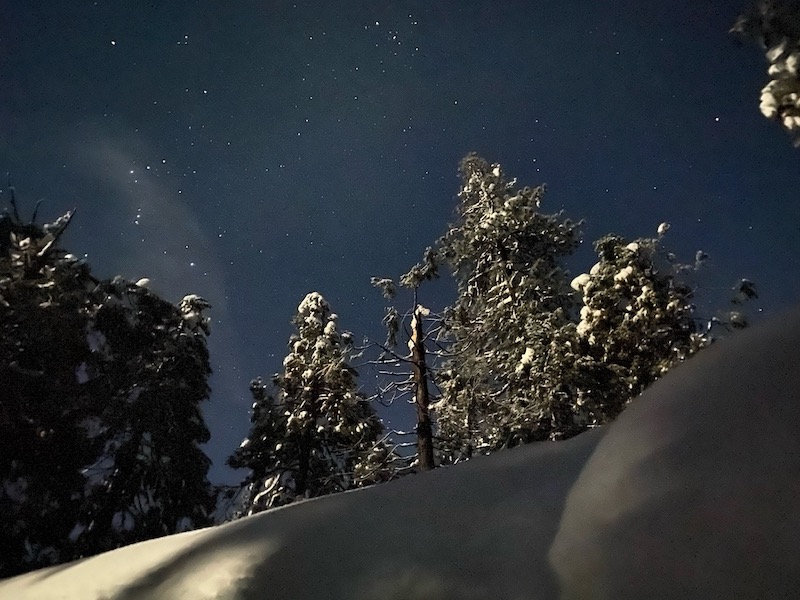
x=692 y=493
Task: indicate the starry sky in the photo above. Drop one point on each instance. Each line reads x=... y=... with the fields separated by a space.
x=252 y=152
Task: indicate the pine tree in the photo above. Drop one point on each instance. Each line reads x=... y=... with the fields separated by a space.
x=775 y=26
x=513 y=303
x=523 y=364
x=42 y=404
x=149 y=479
x=99 y=389
x=637 y=322
x=317 y=435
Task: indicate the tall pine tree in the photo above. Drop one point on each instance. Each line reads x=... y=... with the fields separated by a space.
x=513 y=301
x=524 y=364
x=149 y=478
x=317 y=435
x=100 y=384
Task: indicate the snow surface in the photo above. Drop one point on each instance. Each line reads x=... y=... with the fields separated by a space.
x=693 y=492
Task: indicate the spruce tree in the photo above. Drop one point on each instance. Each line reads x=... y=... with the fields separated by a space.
x=317 y=434
x=513 y=302
x=149 y=478
x=100 y=383
x=775 y=26
x=43 y=402
x=637 y=321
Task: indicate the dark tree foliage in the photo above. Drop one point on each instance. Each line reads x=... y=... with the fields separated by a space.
x=100 y=384
x=150 y=477
x=42 y=405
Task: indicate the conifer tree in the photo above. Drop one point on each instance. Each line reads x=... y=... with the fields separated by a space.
x=637 y=322
x=99 y=389
x=524 y=364
x=43 y=445
x=775 y=26
x=513 y=302
x=317 y=435
x=149 y=478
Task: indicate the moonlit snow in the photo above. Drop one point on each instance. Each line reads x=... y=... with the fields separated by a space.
x=692 y=493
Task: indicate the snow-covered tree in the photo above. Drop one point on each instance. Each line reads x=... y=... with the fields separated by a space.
x=524 y=363
x=637 y=321
x=513 y=303
x=99 y=386
x=317 y=434
x=775 y=26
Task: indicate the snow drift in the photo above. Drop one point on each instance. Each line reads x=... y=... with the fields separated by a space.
x=693 y=492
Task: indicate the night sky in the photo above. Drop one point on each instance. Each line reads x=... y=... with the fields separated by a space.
x=252 y=152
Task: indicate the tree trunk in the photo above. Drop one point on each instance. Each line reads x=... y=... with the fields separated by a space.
x=305 y=443
x=421 y=394
x=301 y=480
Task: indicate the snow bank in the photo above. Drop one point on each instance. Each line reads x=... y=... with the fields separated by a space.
x=692 y=493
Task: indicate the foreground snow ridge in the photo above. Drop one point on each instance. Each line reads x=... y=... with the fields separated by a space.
x=692 y=493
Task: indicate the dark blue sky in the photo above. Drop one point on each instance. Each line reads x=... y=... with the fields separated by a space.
x=256 y=151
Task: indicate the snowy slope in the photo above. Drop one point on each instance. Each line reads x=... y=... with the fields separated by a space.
x=693 y=493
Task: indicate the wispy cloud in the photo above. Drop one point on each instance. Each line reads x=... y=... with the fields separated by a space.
x=153 y=231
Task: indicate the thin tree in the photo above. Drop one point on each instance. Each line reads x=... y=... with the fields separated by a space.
x=419 y=381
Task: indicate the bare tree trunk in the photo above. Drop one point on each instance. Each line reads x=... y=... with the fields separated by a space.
x=421 y=393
